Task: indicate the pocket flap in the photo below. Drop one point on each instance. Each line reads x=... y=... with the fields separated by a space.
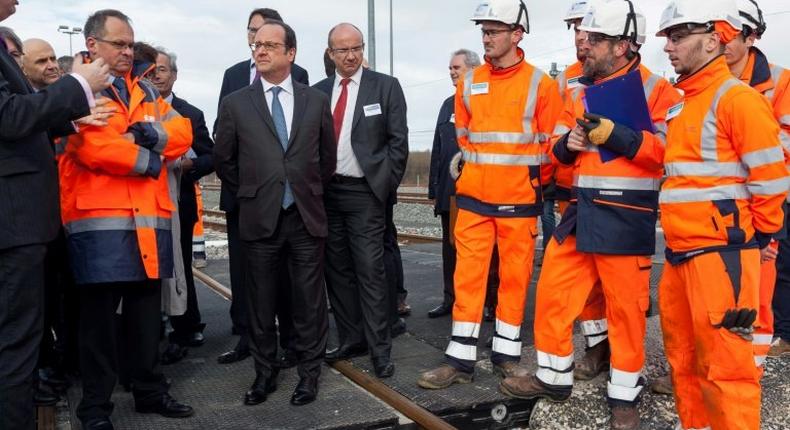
x=17 y=165
x=247 y=191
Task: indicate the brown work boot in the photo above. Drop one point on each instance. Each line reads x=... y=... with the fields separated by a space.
x=662 y=385
x=595 y=361
x=624 y=418
x=779 y=348
x=510 y=369
x=530 y=387
x=442 y=377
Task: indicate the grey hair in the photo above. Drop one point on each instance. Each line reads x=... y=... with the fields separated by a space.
x=171 y=56
x=471 y=59
x=94 y=26
x=8 y=34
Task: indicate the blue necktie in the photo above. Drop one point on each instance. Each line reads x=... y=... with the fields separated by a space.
x=120 y=85
x=282 y=132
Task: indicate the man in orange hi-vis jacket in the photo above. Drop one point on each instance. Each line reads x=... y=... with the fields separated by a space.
x=720 y=204
x=117 y=214
x=607 y=234
x=505 y=111
x=751 y=66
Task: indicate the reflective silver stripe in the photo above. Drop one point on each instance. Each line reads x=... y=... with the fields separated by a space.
x=616 y=183
x=562 y=82
x=709 y=126
x=560 y=130
x=623 y=385
x=776 y=74
x=762 y=339
x=548 y=376
x=466 y=329
x=591 y=341
x=501 y=137
x=661 y=131
x=759 y=360
x=461 y=351
x=117 y=223
x=764 y=156
x=576 y=92
x=507 y=347
x=594 y=327
x=532 y=101
x=461 y=132
x=468 y=89
x=722 y=192
x=171 y=114
x=784 y=137
x=785 y=120
x=555 y=370
x=650 y=85
x=141 y=163
x=161 y=134
x=505 y=159
x=507 y=330
x=542 y=138
x=767 y=188
x=707 y=169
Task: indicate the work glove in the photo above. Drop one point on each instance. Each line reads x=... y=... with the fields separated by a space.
x=144 y=134
x=614 y=137
x=739 y=321
x=456 y=165
x=598 y=128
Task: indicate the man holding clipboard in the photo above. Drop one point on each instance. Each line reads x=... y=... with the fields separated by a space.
x=607 y=234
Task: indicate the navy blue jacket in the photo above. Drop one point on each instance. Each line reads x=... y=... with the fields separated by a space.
x=203 y=164
x=445 y=145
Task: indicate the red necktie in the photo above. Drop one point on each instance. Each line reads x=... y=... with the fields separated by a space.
x=340 y=107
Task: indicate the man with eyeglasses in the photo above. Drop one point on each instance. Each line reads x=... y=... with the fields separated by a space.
x=275 y=149
x=505 y=112
x=726 y=182
x=236 y=77
x=369 y=113
x=117 y=212
x=607 y=234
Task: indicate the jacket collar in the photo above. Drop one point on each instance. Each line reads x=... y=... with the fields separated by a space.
x=757 y=72
x=497 y=73
x=710 y=74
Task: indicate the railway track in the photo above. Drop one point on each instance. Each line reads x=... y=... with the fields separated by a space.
x=403 y=197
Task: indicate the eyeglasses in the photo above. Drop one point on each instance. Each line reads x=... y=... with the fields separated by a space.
x=268 y=46
x=596 y=38
x=117 y=44
x=491 y=33
x=679 y=36
x=345 y=51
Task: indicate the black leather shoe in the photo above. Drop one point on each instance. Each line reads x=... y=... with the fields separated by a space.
x=233 y=356
x=398 y=328
x=305 y=392
x=173 y=354
x=97 y=424
x=261 y=388
x=440 y=311
x=344 y=352
x=384 y=367
x=195 y=339
x=166 y=407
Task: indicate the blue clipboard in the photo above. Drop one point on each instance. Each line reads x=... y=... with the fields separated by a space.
x=622 y=100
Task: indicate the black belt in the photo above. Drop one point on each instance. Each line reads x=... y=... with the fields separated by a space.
x=348 y=180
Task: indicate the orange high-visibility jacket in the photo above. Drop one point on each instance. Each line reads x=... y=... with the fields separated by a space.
x=115 y=203
x=503 y=121
x=615 y=203
x=726 y=176
x=569 y=78
x=568 y=81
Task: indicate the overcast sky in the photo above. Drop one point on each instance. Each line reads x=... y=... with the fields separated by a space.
x=210 y=36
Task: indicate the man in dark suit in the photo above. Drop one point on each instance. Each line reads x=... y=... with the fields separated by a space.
x=29 y=215
x=238 y=76
x=276 y=151
x=187 y=328
x=369 y=112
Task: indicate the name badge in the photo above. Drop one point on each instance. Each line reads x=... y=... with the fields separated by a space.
x=480 y=88
x=675 y=111
x=372 y=110
x=452 y=118
x=573 y=82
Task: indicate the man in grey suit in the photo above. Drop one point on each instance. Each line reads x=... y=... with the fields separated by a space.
x=275 y=150
x=369 y=113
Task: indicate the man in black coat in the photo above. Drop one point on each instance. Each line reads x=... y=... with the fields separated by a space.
x=236 y=77
x=276 y=151
x=187 y=328
x=29 y=213
x=369 y=112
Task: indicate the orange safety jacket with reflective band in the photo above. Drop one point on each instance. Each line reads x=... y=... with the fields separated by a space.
x=726 y=176
x=614 y=204
x=115 y=203
x=568 y=81
x=503 y=121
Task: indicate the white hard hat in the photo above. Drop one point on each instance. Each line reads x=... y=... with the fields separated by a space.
x=752 y=15
x=616 y=18
x=698 y=12
x=577 y=10
x=511 y=12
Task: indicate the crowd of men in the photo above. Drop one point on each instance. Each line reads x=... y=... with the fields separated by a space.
x=99 y=161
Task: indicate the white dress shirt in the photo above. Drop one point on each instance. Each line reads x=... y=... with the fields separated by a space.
x=286 y=98
x=347 y=164
x=253 y=70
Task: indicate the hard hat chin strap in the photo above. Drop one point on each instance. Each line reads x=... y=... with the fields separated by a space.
x=522 y=8
x=758 y=21
x=632 y=36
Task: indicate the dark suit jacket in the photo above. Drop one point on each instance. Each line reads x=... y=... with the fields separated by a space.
x=445 y=146
x=29 y=202
x=252 y=165
x=204 y=163
x=237 y=77
x=380 y=142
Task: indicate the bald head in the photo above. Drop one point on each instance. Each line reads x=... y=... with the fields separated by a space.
x=39 y=63
x=343 y=30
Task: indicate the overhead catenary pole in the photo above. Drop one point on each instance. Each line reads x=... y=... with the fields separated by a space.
x=392 y=64
x=372 y=34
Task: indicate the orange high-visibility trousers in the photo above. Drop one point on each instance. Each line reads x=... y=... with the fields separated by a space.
x=716 y=383
x=764 y=326
x=198 y=238
x=567 y=278
x=475 y=236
